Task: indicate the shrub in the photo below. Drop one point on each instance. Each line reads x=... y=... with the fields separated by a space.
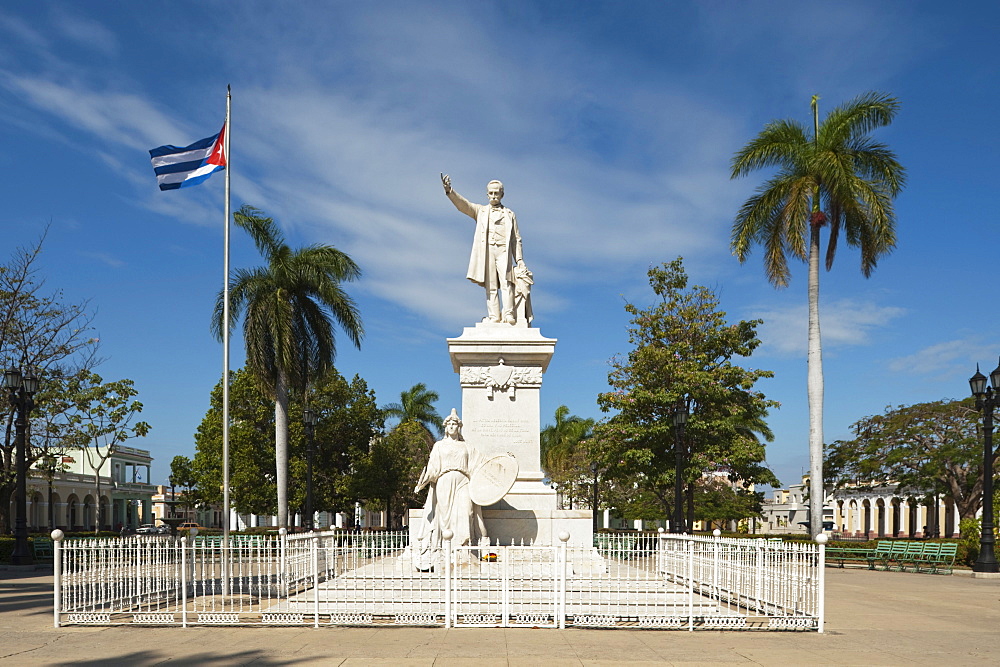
x=968 y=544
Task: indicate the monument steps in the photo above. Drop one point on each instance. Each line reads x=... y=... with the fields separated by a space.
x=383 y=589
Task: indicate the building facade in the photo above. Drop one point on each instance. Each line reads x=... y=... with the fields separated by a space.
x=863 y=512
x=67 y=494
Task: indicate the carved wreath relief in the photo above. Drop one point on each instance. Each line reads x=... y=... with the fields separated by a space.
x=501 y=377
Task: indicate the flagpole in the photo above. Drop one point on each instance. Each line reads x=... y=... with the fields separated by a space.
x=225 y=337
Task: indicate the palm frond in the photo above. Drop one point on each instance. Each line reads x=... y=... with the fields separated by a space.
x=265 y=233
x=874 y=161
x=780 y=144
x=860 y=116
x=774 y=218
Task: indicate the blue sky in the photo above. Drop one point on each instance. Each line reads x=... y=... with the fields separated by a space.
x=611 y=124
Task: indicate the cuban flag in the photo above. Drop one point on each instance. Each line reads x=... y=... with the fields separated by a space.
x=180 y=167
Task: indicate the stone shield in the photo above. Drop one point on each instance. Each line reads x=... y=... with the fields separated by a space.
x=493 y=479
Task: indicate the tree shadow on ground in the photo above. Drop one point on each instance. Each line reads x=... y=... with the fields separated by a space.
x=151 y=657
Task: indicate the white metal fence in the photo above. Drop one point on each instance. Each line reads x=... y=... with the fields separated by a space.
x=338 y=578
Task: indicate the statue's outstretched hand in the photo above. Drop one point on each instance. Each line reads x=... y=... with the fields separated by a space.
x=446 y=182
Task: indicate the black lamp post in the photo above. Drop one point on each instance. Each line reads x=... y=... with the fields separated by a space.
x=22 y=389
x=173 y=498
x=986 y=400
x=680 y=421
x=309 y=419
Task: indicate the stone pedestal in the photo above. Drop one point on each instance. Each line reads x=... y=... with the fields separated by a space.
x=500 y=368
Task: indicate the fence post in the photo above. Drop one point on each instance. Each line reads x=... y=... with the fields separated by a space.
x=821 y=582
x=446 y=535
x=282 y=562
x=716 y=535
x=689 y=551
x=758 y=580
x=504 y=586
x=315 y=565
x=561 y=580
x=184 y=596
x=57 y=538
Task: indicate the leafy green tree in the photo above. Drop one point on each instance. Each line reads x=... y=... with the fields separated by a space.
x=182 y=475
x=104 y=415
x=564 y=454
x=684 y=350
x=839 y=177
x=718 y=503
x=921 y=448
x=181 y=471
x=251 y=448
x=387 y=474
x=291 y=306
x=348 y=419
x=417 y=404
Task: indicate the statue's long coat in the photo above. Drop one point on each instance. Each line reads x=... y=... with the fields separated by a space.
x=478 y=259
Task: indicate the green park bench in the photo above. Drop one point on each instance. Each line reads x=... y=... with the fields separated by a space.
x=899 y=555
x=932 y=557
x=886 y=553
x=42 y=547
x=936 y=557
x=842 y=555
x=908 y=557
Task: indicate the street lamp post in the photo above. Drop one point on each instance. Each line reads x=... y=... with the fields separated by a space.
x=22 y=388
x=680 y=421
x=986 y=401
x=309 y=419
x=173 y=498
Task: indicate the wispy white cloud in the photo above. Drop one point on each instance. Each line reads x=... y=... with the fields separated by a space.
x=843 y=323
x=103 y=258
x=85 y=32
x=19 y=29
x=946 y=359
x=370 y=169
x=624 y=175
x=122 y=118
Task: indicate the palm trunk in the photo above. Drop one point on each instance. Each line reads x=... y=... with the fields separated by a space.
x=281 y=446
x=814 y=360
x=815 y=389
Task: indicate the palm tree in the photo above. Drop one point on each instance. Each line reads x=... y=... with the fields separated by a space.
x=291 y=305
x=839 y=177
x=561 y=457
x=417 y=404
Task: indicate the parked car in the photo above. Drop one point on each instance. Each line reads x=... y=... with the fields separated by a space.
x=188 y=525
x=147 y=529
x=163 y=529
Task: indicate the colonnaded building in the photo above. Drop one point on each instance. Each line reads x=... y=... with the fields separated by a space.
x=62 y=491
x=864 y=511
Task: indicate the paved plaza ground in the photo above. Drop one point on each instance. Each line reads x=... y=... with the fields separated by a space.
x=873 y=618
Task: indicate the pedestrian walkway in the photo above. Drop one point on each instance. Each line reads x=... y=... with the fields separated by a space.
x=872 y=618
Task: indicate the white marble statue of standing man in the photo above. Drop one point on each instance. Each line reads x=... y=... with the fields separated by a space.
x=496 y=249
